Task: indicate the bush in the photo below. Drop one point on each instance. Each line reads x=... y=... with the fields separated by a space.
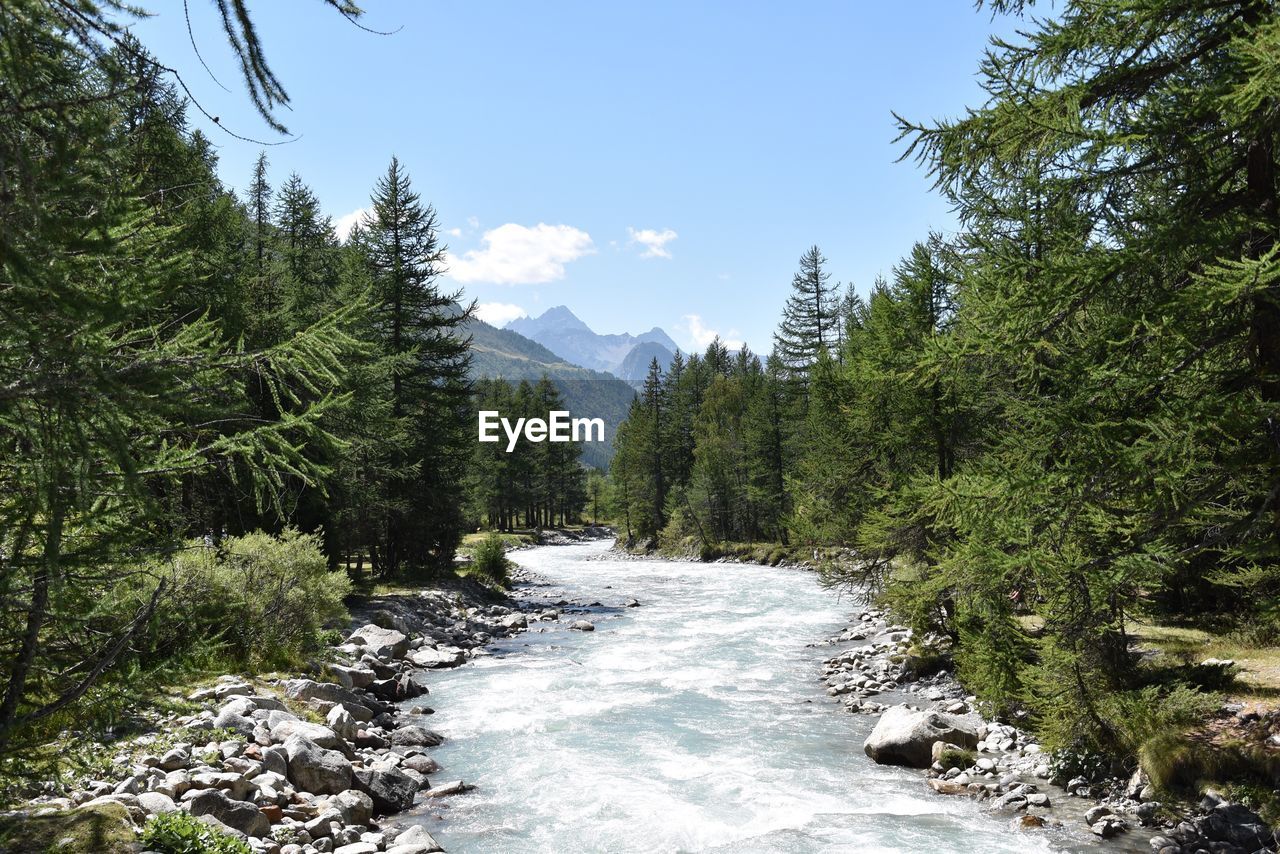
x=955 y=757
x=182 y=833
x=490 y=562
x=260 y=600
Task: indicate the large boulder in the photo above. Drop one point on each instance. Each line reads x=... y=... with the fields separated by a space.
x=391 y=789
x=330 y=692
x=282 y=730
x=156 y=803
x=416 y=736
x=903 y=736
x=243 y=816
x=415 y=840
x=316 y=770
x=355 y=806
x=384 y=643
x=443 y=656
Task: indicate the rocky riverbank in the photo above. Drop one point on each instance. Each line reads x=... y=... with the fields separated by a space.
x=927 y=721
x=312 y=763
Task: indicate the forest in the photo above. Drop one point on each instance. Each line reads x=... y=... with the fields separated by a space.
x=205 y=392
x=1049 y=429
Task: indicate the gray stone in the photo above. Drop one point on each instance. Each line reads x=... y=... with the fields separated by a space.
x=355 y=806
x=1092 y=816
x=384 y=643
x=156 y=803
x=321 y=735
x=905 y=737
x=390 y=789
x=582 y=626
x=415 y=840
x=411 y=735
x=314 y=769
x=242 y=816
x=357 y=848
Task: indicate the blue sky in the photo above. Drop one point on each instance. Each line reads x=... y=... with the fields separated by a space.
x=658 y=164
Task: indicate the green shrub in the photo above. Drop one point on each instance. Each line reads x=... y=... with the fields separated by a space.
x=182 y=833
x=956 y=757
x=259 y=600
x=490 y=562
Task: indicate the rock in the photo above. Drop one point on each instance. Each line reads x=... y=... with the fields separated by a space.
x=351 y=677
x=230 y=719
x=282 y=730
x=1108 y=827
x=1094 y=814
x=582 y=626
x=355 y=806
x=314 y=769
x=1038 y=799
x=905 y=737
x=341 y=723
x=455 y=787
x=947 y=787
x=1147 y=812
x=357 y=848
x=384 y=643
x=175 y=759
x=390 y=789
x=1028 y=822
x=156 y=804
x=242 y=816
x=416 y=736
x=415 y=840
x=1137 y=782
x=421 y=763
x=306 y=689
x=443 y=656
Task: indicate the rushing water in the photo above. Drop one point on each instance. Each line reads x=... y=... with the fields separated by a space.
x=696 y=722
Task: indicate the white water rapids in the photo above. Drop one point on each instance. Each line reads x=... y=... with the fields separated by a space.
x=696 y=722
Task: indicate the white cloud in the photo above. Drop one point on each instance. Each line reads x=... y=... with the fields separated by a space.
x=700 y=335
x=344 y=223
x=454 y=232
x=522 y=255
x=499 y=313
x=653 y=241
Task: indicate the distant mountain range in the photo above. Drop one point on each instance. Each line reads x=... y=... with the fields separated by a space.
x=625 y=355
x=504 y=354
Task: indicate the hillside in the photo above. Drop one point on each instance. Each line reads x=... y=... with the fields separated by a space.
x=505 y=354
x=635 y=366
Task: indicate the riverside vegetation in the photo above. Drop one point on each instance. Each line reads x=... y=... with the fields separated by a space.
x=1049 y=440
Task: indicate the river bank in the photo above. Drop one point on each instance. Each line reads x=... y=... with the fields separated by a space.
x=304 y=763
x=994 y=762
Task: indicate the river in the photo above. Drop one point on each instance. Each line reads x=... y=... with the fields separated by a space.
x=696 y=722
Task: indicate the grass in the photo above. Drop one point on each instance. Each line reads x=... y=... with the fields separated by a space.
x=80 y=831
x=1257 y=678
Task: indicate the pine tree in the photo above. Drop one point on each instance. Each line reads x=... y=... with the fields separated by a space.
x=809 y=320
x=421 y=330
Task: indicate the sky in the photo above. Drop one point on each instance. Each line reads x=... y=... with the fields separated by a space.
x=656 y=164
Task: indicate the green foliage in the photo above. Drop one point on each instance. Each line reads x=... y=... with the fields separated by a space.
x=490 y=561
x=955 y=757
x=262 y=601
x=181 y=833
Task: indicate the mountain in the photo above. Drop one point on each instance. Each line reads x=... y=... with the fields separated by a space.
x=635 y=366
x=506 y=354
x=563 y=333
